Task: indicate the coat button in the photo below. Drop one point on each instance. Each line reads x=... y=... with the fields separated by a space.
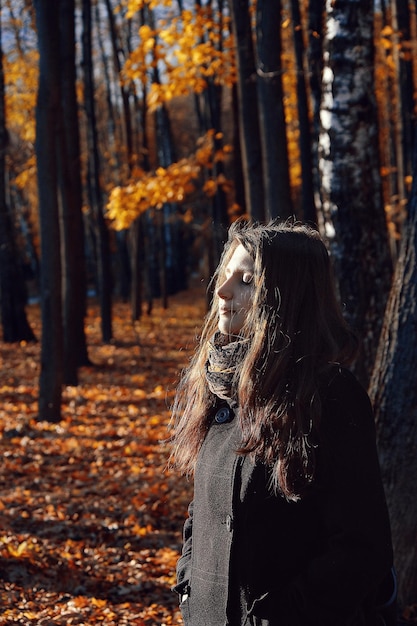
x=229 y=523
x=223 y=415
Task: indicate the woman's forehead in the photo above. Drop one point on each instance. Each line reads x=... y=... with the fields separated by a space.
x=240 y=259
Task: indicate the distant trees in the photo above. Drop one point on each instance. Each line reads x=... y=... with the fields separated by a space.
x=194 y=53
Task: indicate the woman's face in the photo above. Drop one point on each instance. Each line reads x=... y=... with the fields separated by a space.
x=236 y=291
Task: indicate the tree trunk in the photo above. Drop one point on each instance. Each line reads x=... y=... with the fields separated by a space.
x=136 y=239
x=74 y=275
x=104 y=283
x=238 y=175
x=248 y=110
x=127 y=117
x=12 y=288
x=307 y=182
x=114 y=137
x=315 y=68
x=394 y=394
x=406 y=83
x=275 y=163
x=353 y=212
x=47 y=121
x=165 y=215
x=397 y=130
x=208 y=110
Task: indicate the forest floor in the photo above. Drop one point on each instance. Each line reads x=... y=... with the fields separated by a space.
x=90 y=516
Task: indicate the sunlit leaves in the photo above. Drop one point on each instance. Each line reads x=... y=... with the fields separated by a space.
x=170 y=184
x=193 y=48
x=133 y=6
x=21 y=84
x=139 y=61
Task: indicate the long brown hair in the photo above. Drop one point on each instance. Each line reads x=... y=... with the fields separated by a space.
x=296 y=330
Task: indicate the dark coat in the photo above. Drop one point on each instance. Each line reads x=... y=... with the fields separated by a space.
x=252 y=558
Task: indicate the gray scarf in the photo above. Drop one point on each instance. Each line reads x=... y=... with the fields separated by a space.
x=221 y=366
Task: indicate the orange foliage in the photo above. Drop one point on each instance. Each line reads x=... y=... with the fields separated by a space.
x=193 y=48
x=171 y=184
x=133 y=6
x=90 y=516
x=289 y=85
x=21 y=85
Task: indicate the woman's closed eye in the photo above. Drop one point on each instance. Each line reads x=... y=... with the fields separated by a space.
x=247 y=278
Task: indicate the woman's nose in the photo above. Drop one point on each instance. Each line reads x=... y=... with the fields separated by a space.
x=224 y=291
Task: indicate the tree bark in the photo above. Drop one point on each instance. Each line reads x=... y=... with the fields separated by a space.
x=210 y=118
x=315 y=68
x=74 y=275
x=136 y=239
x=307 y=181
x=406 y=62
x=275 y=162
x=47 y=121
x=353 y=212
x=114 y=136
x=104 y=282
x=127 y=117
x=394 y=394
x=248 y=110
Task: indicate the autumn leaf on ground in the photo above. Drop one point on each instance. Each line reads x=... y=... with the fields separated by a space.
x=90 y=516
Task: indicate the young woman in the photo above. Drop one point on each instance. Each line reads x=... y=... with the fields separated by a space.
x=288 y=524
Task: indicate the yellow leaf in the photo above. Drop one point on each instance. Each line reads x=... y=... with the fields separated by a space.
x=145 y=32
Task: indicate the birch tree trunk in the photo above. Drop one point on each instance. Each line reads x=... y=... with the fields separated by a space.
x=353 y=213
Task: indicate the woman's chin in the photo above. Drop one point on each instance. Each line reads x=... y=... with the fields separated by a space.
x=230 y=331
